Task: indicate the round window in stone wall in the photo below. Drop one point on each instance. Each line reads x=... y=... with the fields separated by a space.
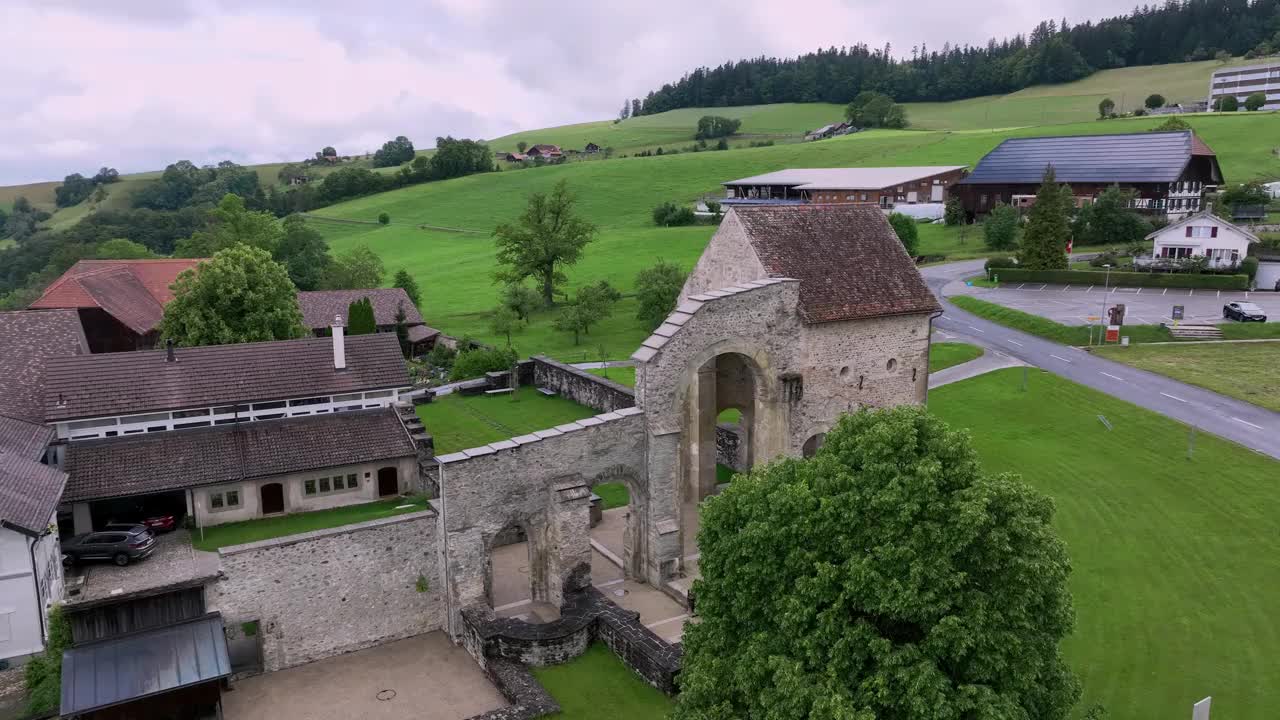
x=891 y=365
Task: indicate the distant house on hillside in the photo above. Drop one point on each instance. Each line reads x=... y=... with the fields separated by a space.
x=547 y=152
x=120 y=302
x=1168 y=172
x=320 y=307
x=826 y=131
x=515 y=157
x=885 y=186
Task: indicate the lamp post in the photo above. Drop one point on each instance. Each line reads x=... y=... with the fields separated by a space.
x=1106 y=288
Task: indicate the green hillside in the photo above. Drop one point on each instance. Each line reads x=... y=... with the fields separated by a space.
x=455 y=269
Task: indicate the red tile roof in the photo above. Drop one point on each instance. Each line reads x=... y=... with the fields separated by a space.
x=848 y=260
x=132 y=291
x=1200 y=147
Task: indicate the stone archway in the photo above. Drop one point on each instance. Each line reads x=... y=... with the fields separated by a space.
x=813 y=445
x=633 y=546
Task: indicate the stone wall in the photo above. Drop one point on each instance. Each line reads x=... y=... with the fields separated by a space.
x=333 y=591
x=729 y=446
x=598 y=393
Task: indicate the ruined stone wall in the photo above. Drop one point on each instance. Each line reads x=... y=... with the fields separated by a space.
x=541 y=482
x=878 y=362
x=729 y=446
x=332 y=591
x=598 y=393
x=727 y=260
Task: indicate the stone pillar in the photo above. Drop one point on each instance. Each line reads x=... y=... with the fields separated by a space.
x=81 y=518
x=662 y=531
x=702 y=441
x=467 y=574
x=568 y=546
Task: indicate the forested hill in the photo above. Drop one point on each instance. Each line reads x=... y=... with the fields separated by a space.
x=1055 y=52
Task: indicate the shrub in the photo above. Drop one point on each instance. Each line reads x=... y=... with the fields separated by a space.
x=1255 y=101
x=715 y=126
x=999 y=263
x=1106 y=258
x=43 y=673
x=1172 y=124
x=953 y=212
x=1126 y=279
x=668 y=214
x=1229 y=104
x=1154 y=100
x=713 y=207
x=384 y=218
x=1139 y=112
x=722 y=144
x=442 y=356
x=908 y=233
x=1000 y=231
x=476 y=362
x=1249 y=266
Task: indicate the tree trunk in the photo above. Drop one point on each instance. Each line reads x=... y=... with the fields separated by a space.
x=548 y=287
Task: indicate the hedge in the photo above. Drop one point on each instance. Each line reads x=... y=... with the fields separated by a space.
x=1124 y=279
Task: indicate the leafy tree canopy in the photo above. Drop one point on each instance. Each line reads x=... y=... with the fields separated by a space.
x=875 y=109
x=240 y=295
x=1255 y=101
x=73 y=190
x=548 y=236
x=522 y=299
x=886 y=577
x=1109 y=220
x=908 y=232
x=455 y=158
x=1172 y=124
x=590 y=305
x=1153 y=101
x=1228 y=104
x=657 y=289
x=1106 y=107
x=123 y=249
x=715 y=126
x=1000 y=231
x=1250 y=193
x=231 y=223
x=394 y=152
x=405 y=282
x=355 y=269
x=304 y=253
x=360 y=318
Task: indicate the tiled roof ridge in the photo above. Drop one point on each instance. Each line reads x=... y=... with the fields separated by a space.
x=687 y=309
x=537 y=436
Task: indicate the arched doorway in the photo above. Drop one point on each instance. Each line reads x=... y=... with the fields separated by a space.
x=516 y=574
x=272 y=498
x=726 y=388
x=813 y=445
x=388 y=482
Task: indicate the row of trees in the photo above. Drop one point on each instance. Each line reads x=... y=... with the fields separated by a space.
x=76 y=188
x=1054 y=52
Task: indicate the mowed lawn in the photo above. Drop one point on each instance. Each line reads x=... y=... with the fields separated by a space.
x=597 y=685
x=1176 y=561
x=212 y=538
x=1248 y=371
x=943 y=355
x=457 y=422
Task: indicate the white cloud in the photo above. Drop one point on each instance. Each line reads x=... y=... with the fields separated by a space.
x=137 y=84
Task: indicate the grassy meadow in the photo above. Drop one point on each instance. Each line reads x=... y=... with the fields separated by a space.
x=1248 y=371
x=1176 y=561
x=455 y=270
x=457 y=422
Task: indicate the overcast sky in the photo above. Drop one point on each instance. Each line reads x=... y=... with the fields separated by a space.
x=137 y=84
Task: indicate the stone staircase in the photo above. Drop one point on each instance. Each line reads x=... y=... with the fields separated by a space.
x=1195 y=332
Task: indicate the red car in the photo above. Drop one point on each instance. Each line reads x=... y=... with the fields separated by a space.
x=155 y=523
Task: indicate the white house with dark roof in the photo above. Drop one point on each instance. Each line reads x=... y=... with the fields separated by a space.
x=1202 y=235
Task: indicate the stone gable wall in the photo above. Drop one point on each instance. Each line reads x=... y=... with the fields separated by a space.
x=333 y=591
x=727 y=260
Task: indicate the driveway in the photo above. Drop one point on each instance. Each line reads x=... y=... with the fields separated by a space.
x=1075 y=304
x=1249 y=425
x=423 y=678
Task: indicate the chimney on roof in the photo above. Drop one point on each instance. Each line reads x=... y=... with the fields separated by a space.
x=168 y=350
x=339 y=344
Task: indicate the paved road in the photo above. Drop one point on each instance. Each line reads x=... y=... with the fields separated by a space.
x=1235 y=420
x=1074 y=304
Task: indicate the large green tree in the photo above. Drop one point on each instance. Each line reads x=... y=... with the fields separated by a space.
x=548 y=236
x=1044 y=239
x=887 y=577
x=657 y=289
x=360 y=318
x=1109 y=221
x=355 y=269
x=904 y=226
x=1000 y=231
x=230 y=224
x=875 y=109
x=304 y=252
x=590 y=305
x=405 y=282
x=239 y=295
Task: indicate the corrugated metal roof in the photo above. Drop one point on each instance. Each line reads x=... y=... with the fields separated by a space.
x=872 y=178
x=132 y=667
x=1134 y=157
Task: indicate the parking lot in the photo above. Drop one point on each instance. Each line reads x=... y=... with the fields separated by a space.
x=1075 y=304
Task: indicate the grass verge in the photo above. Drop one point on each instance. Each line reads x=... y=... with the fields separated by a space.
x=457 y=422
x=621 y=375
x=613 y=494
x=946 y=354
x=1176 y=561
x=212 y=538
x=1247 y=371
x=598 y=685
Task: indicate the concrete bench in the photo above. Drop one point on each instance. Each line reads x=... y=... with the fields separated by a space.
x=499 y=391
x=547 y=391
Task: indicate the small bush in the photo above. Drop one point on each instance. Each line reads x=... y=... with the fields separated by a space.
x=384 y=219
x=442 y=356
x=669 y=214
x=1000 y=262
x=1106 y=258
x=1127 y=279
x=422 y=585
x=713 y=207
x=1249 y=266
x=476 y=362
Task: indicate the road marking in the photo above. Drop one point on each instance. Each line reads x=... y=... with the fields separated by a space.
x=1066 y=288
x=1003 y=355
x=977 y=329
x=1022 y=286
x=1015 y=342
x=1166 y=291
x=1175 y=397
x=945 y=335
x=1246 y=422
x=1055 y=357
x=1113 y=377
x=1090 y=289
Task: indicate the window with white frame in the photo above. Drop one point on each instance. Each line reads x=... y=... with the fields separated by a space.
x=224 y=499
x=1200 y=231
x=331 y=484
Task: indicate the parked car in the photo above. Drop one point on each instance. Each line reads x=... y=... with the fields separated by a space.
x=1244 y=312
x=158 y=522
x=119 y=546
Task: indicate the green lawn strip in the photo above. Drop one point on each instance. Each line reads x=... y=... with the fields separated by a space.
x=1250 y=330
x=621 y=375
x=613 y=494
x=1176 y=561
x=597 y=685
x=945 y=354
x=1049 y=329
x=1248 y=371
x=724 y=474
x=212 y=538
x=457 y=422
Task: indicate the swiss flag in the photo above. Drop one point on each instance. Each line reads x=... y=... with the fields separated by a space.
x=1069 y=241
